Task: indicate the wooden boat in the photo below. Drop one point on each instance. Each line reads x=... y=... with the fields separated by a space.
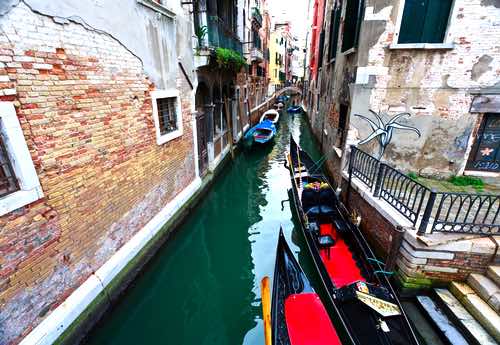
x=295 y=109
x=271 y=115
x=357 y=285
x=261 y=133
x=298 y=316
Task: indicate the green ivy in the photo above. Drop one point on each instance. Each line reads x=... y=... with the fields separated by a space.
x=229 y=59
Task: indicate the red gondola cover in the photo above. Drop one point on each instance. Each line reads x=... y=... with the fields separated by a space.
x=308 y=322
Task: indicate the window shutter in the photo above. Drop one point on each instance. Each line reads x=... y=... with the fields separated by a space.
x=321 y=47
x=352 y=23
x=412 y=22
x=436 y=21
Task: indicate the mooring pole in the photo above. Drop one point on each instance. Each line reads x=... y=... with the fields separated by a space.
x=397 y=239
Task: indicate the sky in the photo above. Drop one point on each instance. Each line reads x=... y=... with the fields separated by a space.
x=293 y=10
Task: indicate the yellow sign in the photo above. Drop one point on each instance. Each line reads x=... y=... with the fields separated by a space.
x=382 y=307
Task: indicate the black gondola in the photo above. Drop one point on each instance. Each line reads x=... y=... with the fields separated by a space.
x=298 y=316
x=357 y=285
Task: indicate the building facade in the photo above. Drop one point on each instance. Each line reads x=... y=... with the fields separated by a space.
x=107 y=130
x=386 y=58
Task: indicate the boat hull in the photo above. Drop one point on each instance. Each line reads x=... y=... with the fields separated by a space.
x=364 y=331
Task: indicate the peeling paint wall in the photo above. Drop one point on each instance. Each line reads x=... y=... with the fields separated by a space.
x=436 y=86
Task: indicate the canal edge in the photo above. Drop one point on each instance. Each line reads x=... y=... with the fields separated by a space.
x=71 y=321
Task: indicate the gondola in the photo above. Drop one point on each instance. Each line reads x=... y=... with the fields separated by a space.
x=271 y=115
x=298 y=316
x=261 y=133
x=357 y=285
x=295 y=109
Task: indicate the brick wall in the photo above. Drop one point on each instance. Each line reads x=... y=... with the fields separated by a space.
x=84 y=105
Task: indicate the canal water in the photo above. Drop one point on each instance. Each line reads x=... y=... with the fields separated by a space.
x=203 y=286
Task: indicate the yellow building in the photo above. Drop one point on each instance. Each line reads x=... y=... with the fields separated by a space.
x=276 y=57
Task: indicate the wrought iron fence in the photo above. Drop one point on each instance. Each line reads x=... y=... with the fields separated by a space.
x=462 y=213
x=363 y=166
x=402 y=192
x=431 y=210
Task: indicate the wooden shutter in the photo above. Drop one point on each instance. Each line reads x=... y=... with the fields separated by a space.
x=411 y=24
x=321 y=47
x=424 y=21
x=352 y=24
x=436 y=21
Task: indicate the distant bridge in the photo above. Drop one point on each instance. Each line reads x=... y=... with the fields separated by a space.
x=288 y=89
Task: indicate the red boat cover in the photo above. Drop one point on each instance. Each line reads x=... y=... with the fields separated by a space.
x=308 y=322
x=341 y=266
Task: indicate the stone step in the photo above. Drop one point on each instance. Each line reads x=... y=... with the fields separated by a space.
x=481 y=311
x=445 y=325
x=486 y=288
x=458 y=314
x=493 y=273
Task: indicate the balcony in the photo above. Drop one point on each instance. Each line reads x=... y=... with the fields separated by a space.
x=256 y=54
x=221 y=35
x=257 y=16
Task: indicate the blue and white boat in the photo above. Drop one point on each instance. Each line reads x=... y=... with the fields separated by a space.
x=261 y=133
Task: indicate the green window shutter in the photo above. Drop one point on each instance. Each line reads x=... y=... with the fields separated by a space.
x=424 y=21
x=436 y=21
x=321 y=48
x=352 y=23
x=413 y=18
x=334 y=33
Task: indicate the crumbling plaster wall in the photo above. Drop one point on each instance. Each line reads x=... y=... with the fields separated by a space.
x=144 y=32
x=433 y=85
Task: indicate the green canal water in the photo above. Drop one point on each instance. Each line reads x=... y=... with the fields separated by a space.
x=203 y=286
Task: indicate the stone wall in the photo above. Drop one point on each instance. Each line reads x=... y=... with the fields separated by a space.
x=83 y=101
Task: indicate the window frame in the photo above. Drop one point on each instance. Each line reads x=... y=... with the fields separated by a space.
x=160 y=8
x=359 y=22
x=448 y=39
x=159 y=94
x=18 y=153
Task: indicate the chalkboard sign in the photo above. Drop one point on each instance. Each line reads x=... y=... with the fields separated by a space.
x=485 y=154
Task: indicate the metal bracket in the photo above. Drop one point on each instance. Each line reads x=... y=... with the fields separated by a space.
x=283 y=203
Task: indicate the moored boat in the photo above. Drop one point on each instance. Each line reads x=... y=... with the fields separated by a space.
x=298 y=316
x=271 y=115
x=295 y=109
x=261 y=133
x=357 y=285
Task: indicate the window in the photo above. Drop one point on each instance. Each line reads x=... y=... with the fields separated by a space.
x=352 y=23
x=167 y=115
x=19 y=184
x=424 y=21
x=8 y=181
x=485 y=154
x=321 y=48
x=334 y=31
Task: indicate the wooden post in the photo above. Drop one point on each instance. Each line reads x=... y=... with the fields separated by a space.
x=266 y=309
x=397 y=238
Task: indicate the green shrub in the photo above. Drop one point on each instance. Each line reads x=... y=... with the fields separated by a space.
x=229 y=59
x=413 y=175
x=475 y=182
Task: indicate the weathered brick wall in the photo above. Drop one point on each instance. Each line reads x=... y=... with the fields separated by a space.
x=432 y=85
x=84 y=105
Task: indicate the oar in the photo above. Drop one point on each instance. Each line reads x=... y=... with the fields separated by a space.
x=266 y=309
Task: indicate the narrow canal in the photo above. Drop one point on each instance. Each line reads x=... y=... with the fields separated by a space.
x=203 y=286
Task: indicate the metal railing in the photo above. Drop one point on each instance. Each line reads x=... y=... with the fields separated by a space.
x=399 y=190
x=220 y=35
x=432 y=210
x=364 y=166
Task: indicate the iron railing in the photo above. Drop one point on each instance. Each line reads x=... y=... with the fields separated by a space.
x=364 y=166
x=431 y=210
x=399 y=190
x=462 y=213
x=220 y=35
